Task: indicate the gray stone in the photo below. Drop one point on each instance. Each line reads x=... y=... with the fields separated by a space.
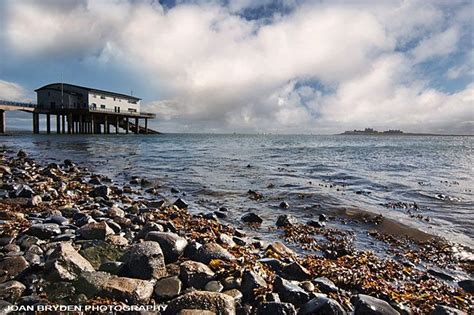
x=200 y=300
x=211 y=251
x=276 y=308
x=35 y=201
x=10 y=267
x=99 y=252
x=445 y=310
x=95 y=231
x=144 y=261
x=250 y=282
x=290 y=292
x=214 y=286
x=325 y=285
x=235 y=294
x=168 y=288
x=171 y=244
x=368 y=305
x=44 y=230
x=195 y=274
x=284 y=205
x=129 y=290
x=24 y=191
x=100 y=191
x=251 y=218
x=149 y=227
x=295 y=271
x=286 y=220
x=57 y=219
x=65 y=263
x=11 y=291
x=180 y=203
x=321 y=305
x=467 y=285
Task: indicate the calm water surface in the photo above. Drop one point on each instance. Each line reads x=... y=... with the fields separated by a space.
x=313 y=174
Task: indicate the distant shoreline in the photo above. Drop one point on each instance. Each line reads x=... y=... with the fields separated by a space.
x=402 y=134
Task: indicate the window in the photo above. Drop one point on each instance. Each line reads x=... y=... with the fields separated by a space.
x=102 y=97
x=132 y=110
x=117 y=109
x=94 y=105
x=114 y=98
x=102 y=106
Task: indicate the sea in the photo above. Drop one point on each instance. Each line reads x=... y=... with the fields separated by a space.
x=419 y=184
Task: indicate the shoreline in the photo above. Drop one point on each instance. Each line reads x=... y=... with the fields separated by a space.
x=114 y=229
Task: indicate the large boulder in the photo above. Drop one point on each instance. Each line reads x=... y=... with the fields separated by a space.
x=211 y=251
x=12 y=266
x=99 y=252
x=65 y=263
x=171 y=244
x=44 y=230
x=144 y=261
x=290 y=292
x=11 y=291
x=95 y=231
x=102 y=284
x=369 y=305
x=321 y=305
x=219 y=303
x=195 y=274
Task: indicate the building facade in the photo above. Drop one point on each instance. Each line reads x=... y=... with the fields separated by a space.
x=58 y=96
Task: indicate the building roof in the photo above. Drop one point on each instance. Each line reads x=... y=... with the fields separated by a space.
x=48 y=86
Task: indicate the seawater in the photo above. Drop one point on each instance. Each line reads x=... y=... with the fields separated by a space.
x=314 y=174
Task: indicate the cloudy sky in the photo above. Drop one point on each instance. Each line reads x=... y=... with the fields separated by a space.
x=279 y=66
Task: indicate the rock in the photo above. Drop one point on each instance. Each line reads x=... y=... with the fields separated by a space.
x=220 y=215
x=440 y=274
x=285 y=220
x=368 y=305
x=321 y=305
x=322 y=217
x=195 y=274
x=114 y=226
x=149 y=227
x=295 y=271
x=276 y=308
x=231 y=283
x=195 y=312
x=250 y=282
x=280 y=249
x=199 y=300
x=24 y=191
x=445 y=310
x=227 y=240
x=214 y=286
x=35 y=201
x=168 y=288
x=175 y=190
x=12 y=266
x=4 y=307
x=100 y=191
x=180 y=203
x=467 y=285
x=325 y=285
x=11 y=291
x=171 y=244
x=95 y=231
x=129 y=290
x=284 y=205
x=65 y=263
x=112 y=267
x=274 y=264
x=115 y=212
x=44 y=230
x=22 y=154
x=144 y=261
x=235 y=294
x=99 y=252
x=317 y=224
x=56 y=219
x=290 y=292
x=211 y=251
x=251 y=218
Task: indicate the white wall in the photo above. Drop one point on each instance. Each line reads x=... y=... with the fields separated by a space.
x=111 y=102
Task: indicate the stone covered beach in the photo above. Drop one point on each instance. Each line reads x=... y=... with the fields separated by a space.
x=72 y=237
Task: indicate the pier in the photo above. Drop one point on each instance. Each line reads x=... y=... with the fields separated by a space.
x=73 y=109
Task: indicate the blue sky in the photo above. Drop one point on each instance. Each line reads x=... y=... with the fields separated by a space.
x=253 y=66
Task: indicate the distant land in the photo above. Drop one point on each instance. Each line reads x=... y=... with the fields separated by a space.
x=391 y=132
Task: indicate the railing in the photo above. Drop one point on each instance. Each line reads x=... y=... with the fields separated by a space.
x=108 y=110
x=18 y=104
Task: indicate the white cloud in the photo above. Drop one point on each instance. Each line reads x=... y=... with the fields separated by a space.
x=11 y=91
x=323 y=67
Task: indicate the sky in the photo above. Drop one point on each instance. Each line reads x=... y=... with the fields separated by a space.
x=268 y=66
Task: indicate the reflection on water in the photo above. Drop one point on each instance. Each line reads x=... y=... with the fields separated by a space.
x=312 y=173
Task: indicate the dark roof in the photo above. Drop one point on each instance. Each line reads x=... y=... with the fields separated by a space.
x=90 y=90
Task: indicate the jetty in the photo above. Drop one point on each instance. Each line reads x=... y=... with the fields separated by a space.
x=82 y=110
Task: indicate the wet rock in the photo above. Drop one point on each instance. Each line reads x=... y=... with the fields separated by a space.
x=368 y=305
x=199 y=300
x=112 y=267
x=35 y=201
x=10 y=267
x=171 y=244
x=24 y=191
x=440 y=274
x=180 y=203
x=99 y=252
x=227 y=240
x=100 y=191
x=276 y=308
x=175 y=190
x=168 y=288
x=65 y=263
x=445 y=310
x=295 y=271
x=323 y=217
x=95 y=231
x=11 y=291
x=322 y=305
x=195 y=274
x=317 y=224
x=325 y=285
x=251 y=218
x=284 y=205
x=290 y=292
x=251 y=281
x=274 y=264
x=56 y=219
x=214 y=286
x=286 y=220
x=280 y=249
x=44 y=230
x=22 y=154
x=124 y=289
x=211 y=251
x=144 y=261
x=467 y=285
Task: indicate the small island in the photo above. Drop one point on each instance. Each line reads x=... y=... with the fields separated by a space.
x=371 y=131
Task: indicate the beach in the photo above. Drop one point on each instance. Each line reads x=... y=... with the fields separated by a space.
x=73 y=236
